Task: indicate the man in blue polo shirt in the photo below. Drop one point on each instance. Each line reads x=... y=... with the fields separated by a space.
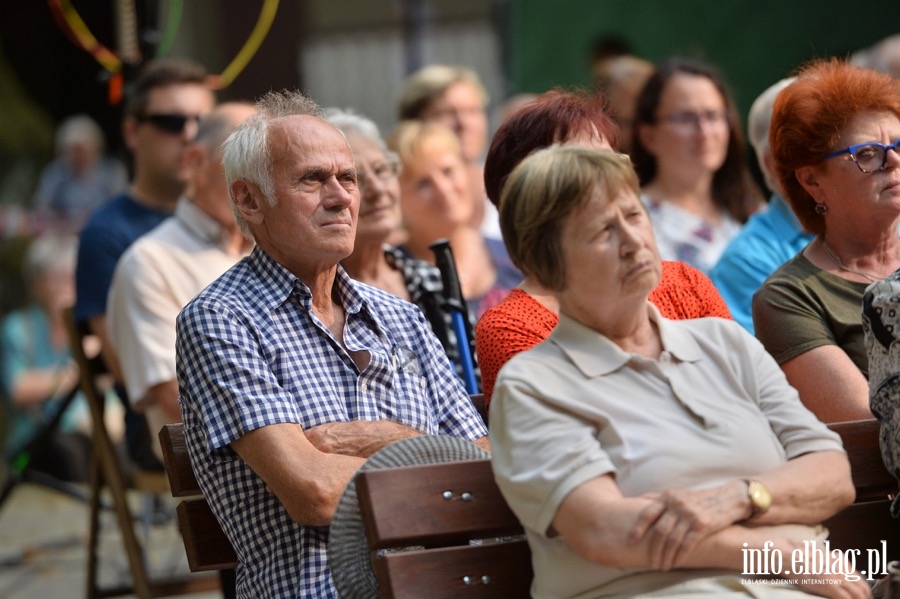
x=770 y=238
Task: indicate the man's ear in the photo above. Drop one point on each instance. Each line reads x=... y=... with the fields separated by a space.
x=193 y=159
x=248 y=200
x=129 y=132
x=810 y=178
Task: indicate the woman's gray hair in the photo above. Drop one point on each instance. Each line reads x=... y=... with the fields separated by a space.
x=245 y=154
x=80 y=128
x=543 y=191
x=349 y=121
x=48 y=251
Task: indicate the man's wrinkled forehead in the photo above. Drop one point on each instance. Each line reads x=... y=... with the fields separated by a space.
x=306 y=135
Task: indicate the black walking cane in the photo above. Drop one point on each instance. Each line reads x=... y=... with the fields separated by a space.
x=456 y=307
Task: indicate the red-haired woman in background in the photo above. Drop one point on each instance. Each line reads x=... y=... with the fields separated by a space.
x=834 y=136
x=530 y=312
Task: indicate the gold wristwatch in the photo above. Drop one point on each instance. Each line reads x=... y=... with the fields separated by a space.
x=760 y=498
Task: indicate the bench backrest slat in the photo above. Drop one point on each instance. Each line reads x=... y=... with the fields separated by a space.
x=437 y=504
x=467 y=572
x=178 y=463
x=871 y=479
x=205 y=543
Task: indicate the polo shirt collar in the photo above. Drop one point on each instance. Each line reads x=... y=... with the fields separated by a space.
x=595 y=355
x=200 y=224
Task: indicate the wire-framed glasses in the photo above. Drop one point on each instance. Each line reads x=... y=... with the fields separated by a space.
x=689 y=120
x=382 y=171
x=869 y=157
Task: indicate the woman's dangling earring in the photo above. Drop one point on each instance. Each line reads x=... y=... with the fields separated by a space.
x=821 y=208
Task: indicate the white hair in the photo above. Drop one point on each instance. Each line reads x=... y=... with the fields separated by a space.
x=245 y=154
x=48 y=251
x=759 y=121
x=80 y=128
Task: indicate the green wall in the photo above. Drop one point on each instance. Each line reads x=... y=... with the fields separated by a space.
x=753 y=43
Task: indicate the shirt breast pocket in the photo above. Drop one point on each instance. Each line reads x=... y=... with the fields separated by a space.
x=411 y=402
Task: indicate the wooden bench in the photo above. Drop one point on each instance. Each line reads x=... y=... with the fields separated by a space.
x=205 y=543
x=437 y=509
x=865 y=523
x=108 y=474
x=441 y=508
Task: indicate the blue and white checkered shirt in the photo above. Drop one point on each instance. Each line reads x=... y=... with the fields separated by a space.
x=251 y=353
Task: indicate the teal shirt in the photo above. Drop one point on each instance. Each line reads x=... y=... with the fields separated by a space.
x=768 y=240
x=24 y=344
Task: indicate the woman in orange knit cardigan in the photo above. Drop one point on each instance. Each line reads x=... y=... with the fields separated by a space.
x=530 y=312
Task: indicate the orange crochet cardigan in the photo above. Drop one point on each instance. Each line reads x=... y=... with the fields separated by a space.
x=520 y=322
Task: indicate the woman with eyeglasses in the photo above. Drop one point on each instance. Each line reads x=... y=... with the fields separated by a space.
x=834 y=137
x=374 y=261
x=689 y=153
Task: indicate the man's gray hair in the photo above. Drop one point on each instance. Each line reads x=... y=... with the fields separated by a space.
x=245 y=154
x=759 y=119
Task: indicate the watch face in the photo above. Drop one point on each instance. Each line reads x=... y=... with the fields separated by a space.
x=760 y=497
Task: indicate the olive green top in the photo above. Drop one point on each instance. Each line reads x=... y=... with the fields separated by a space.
x=802 y=307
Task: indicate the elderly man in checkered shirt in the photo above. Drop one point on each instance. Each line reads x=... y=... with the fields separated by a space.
x=291 y=373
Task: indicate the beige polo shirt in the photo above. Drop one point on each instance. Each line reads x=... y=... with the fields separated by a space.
x=155 y=278
x=714 y=407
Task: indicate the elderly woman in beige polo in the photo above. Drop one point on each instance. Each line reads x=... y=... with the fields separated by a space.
x=834 y=136
x=643 y=455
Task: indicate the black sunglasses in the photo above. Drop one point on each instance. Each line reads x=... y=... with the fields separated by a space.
x=170 y=123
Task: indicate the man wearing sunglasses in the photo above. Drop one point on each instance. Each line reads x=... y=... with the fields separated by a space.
x=168 y=99
x=168 y=266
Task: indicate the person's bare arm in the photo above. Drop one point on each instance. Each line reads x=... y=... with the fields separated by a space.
x=808 y=489
x=595 y=520
x=362 y=438
x=165 y=396
x=805 y=490
x=358 y=438
x=35 y=385
x=307 y=481
x=830 y=384
x=97 y=326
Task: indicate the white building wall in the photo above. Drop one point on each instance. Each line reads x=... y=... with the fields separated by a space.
x=364 y=70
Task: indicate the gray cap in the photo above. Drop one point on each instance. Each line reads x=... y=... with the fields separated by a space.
x=348 y=551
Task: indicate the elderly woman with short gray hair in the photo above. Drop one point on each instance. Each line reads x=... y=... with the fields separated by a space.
x=374 y=261
x=644 y=455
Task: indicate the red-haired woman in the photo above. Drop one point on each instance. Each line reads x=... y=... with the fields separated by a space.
x=530 y=312
x=834 y=137
x=689 y=153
